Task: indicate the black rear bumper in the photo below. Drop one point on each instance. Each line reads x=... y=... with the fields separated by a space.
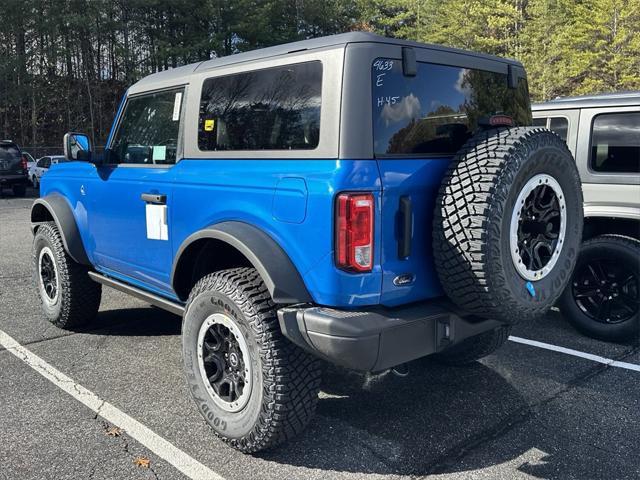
x=11 y=180
x=378 y=338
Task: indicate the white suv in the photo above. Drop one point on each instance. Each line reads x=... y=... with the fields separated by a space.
x=603 y=133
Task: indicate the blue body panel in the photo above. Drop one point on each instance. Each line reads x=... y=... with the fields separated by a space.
x=212 y=191
x=290 y=200
x=418 y=179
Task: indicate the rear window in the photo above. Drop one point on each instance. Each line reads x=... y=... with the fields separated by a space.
x=615 y=143
x=9 y=152
x=436 y=111
x=272 y=109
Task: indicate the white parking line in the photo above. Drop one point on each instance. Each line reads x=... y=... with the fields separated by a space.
x=154 y=442
x=576 y=353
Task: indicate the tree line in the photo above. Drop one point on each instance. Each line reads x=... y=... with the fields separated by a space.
x=65 y=64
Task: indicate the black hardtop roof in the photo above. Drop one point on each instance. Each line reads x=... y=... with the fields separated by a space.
x=311 y=44
x=613 y=99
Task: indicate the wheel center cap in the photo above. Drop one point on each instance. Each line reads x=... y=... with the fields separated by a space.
x=233 y=359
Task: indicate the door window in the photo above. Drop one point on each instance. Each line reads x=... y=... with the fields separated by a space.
x=148 y=130
x=615 y=143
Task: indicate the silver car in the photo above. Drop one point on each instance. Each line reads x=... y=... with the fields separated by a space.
x=603 y=133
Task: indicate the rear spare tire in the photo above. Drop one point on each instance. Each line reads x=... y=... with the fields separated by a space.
x=508 y=223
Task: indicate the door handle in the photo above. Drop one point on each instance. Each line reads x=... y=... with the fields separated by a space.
x=155 y=198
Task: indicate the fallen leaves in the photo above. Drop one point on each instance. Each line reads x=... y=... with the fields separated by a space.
x=114 y=431
x=142 y=462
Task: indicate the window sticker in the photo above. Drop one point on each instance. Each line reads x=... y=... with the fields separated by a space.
x=177 y=102
x=159 y=153
x=208 y=125
x=157 y=226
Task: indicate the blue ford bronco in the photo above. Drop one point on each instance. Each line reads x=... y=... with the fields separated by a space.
x=353 y=199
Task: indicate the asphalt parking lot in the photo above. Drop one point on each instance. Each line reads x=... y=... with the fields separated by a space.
x=524 y=412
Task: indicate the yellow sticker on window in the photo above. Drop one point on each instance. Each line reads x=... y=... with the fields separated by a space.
x=208 y=125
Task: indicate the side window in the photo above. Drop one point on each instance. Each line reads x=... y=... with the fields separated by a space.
x=560 y=125
x=272 y=109
x=615 y=143
x=40 y=163
x=148 y=130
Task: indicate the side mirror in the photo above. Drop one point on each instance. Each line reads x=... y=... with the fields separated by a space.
x=77 y=146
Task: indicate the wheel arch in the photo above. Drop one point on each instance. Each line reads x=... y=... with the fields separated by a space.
x=601 y=225
x=54 y=208
x=237 y=244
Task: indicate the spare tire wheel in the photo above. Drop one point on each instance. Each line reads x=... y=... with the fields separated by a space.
x=508 y=223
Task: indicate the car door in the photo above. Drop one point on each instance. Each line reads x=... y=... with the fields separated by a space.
x=131 y=195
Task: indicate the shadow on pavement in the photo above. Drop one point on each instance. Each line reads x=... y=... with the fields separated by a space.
x=141 y=322
x=431 y=422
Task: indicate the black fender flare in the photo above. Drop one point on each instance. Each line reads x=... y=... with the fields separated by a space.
x=56 y=207
x=275 y=267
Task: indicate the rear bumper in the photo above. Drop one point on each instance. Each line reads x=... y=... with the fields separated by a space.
x=378 y=338
x=11 y=180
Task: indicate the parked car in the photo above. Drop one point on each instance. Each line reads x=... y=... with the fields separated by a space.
x=42 y=166
x=30 y=160
x=357 y=199
x=13 y=168
x=603 y=133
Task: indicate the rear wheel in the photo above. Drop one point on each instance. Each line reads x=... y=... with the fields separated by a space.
x=603 y=298
x=254 y=387
x=508 y=223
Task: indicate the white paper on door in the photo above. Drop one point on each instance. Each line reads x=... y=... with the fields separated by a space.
x=157 y=228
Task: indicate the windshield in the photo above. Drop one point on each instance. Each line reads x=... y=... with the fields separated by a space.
x=438 y=110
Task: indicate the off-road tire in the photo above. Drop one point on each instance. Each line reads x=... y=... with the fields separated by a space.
x=474 y=348
x=19 y=190
x=618 y=248
x=471 y=229
x=286 y=379
x=79 y=297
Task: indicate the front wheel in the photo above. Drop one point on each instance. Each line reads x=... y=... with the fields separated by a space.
x=254 y=387
x=68 y=295
x=603 y=298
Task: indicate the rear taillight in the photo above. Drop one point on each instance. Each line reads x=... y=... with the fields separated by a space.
x=23 y=162
x=354 y=231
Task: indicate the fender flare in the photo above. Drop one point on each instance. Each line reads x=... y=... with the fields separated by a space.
x=278 y=272
x=57 y=207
